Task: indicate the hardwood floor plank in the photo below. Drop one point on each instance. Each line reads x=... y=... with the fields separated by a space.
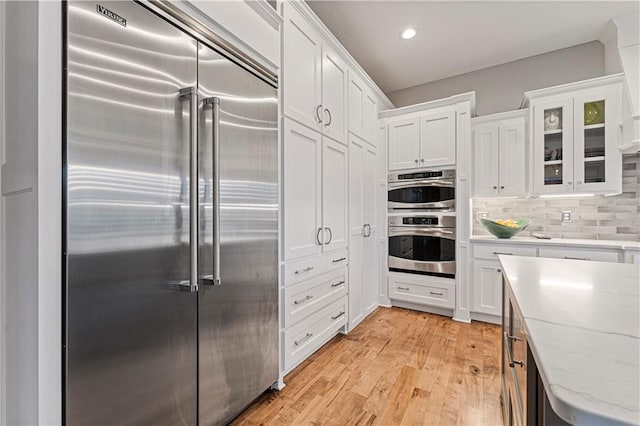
x=399 y=367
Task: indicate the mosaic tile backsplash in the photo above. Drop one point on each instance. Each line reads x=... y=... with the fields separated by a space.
x=595 y=218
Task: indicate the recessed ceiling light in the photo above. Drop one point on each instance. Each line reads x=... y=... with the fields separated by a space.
x=408 y=33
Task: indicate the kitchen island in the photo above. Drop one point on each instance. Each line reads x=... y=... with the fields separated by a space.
x=571 y=347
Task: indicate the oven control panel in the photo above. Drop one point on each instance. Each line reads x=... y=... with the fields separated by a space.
x=420 y=221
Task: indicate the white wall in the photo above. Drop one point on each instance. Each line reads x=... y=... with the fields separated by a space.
x=500 y=88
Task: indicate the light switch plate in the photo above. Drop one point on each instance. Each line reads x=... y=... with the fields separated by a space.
x=566 y=216
x=481 y=215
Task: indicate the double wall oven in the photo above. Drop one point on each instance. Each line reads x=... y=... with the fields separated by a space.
x=422 y=223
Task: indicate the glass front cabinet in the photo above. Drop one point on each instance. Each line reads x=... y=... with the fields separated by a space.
x=576 y=141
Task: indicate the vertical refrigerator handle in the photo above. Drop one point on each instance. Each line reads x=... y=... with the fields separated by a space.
x=214 y=102
x=190 y=94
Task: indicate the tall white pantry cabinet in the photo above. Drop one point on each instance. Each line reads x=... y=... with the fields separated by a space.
x=329 y=253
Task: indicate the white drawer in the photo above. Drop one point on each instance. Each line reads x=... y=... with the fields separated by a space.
x=307 y=336
x=580 y=253
x=492 y=251
x=305 y=298
x=422 y=289
x=304 y=269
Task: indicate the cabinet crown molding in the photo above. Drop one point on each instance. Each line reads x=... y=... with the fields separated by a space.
x=518 y=113
x=425 y=106
x=533 y=95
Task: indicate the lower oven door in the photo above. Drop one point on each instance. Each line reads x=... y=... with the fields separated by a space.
x=423 y=250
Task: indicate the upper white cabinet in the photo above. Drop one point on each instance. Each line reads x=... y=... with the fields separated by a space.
x=499 y=156
x=427 y=139
x=576 y=137
x=314 y=79
x=315 y=192
x=362 y=110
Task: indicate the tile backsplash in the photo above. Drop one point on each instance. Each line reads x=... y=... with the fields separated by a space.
x=598 y=218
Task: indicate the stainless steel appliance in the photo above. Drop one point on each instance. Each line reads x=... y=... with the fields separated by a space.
x=170 y=222
x=422 y=242
x=428 y=189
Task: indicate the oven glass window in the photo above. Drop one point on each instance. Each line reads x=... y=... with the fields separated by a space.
x=421 y=248
x=422 y=194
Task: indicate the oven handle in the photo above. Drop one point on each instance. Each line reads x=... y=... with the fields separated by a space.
x=436 y=232
x=418 y=183
x=439 y=205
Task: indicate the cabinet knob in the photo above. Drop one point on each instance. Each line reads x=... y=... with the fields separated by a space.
x=569 y=183
x=495 y=187
x=499 y=270
x=416 y=160
x=579 y=182
x=422 y=160
x=501 y=187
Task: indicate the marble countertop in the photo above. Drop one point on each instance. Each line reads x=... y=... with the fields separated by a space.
x=583 y=324
x=623 y=245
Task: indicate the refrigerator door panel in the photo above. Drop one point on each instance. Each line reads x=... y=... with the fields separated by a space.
x=131 y=333
x=238 y=319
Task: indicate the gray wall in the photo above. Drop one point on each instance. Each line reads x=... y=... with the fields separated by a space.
x=500 y=88
x=597 y=218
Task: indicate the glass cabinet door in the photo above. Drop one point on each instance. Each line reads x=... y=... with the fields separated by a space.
x=596 y=155
x=553 y=148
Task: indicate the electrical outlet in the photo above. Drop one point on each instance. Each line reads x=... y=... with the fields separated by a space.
x=481 y=215
x=566 y=216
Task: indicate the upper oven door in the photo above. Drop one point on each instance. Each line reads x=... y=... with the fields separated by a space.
x=426 y=250
x=425 y=194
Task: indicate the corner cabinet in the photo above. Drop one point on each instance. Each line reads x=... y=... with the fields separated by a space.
x=427 y=139
x=499 y=155
x=576 y=138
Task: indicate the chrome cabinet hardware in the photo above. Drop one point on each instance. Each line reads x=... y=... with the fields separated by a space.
x=514 y=338
x=416 y=161
x=495 y=187
x=510 y=360
x=403 y=288
x=500 y=252
x=328 y=123
x=318 y=108
x=304 y=339
x=339 y=260
x=339 y=283
x=501 y=187
x=214 y=103
x=304 y=299
x=190 y=94
x=436 y=293
x=513 y=363
x=576 y=258
x=318 y=236
x=366 y=229
x=337 y=316
x=303 y=270
x=330 y=235
x=499 y=270
x=422 y=160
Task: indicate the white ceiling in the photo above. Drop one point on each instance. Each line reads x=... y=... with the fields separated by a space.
x=456 y=37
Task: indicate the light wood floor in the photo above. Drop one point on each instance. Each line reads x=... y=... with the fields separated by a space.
x=399 y=367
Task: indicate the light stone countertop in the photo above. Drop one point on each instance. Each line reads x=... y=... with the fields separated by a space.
x=622 y=245
x=582 y=319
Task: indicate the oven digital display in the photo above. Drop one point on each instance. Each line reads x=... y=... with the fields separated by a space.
x=420 y=221
x=421 y=175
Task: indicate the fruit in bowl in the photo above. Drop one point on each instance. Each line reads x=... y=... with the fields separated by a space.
x=505 y=228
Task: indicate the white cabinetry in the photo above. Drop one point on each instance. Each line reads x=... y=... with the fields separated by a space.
x=363 y=258
x=576 y=137
x=499 y=160
x=427 y=139
x=362 y=110
x=315 y=208
x=422 y=289
x=315 y=78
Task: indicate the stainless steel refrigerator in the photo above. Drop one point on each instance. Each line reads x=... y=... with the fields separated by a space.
x=170 y=222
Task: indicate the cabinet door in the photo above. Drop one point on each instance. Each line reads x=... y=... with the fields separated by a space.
x=356 y=233
x=334 y=95
x=302 y=70
x=302 y=190
x=370 y=217
x=370 y=114
x=553 y=147
x=404 y=143
x=485 y=160
x=511 y=157
x=597 y=160
x=438 y=138
x=334 y=194
x=356 y=105
x=487 y=287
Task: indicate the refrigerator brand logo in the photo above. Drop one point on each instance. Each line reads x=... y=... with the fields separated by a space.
x=109 y=14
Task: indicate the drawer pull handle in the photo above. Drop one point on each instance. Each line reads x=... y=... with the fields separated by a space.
x=577 y=258
x=304 y=299
x=500 y=252
x=514 y=338
x=304 y=339
x=510 y=360
x=513 y=363
x=435 y=293
x=339 y=283
x=339 y=260
x=338 y=316
x=403 y=288
x=302 y=271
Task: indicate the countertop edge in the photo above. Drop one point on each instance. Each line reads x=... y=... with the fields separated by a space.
x=611 y=244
